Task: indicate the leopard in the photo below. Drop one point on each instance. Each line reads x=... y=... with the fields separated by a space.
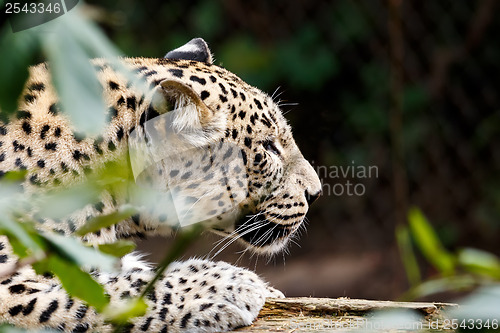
x=198 y=136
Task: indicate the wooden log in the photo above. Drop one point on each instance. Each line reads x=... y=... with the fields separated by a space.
x=304 y=314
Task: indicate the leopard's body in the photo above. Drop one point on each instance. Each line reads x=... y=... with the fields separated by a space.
x=263 y=202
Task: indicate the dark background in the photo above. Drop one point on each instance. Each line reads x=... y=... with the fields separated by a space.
x=410 y=87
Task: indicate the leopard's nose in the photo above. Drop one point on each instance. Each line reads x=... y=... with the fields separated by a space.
x=310 y=198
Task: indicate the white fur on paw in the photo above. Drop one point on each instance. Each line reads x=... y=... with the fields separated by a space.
x=214 y=296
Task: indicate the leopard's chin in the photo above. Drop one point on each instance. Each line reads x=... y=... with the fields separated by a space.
x=263 y=235
x=258 y=234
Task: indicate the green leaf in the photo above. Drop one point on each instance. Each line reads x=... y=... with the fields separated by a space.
x=103 y=221
x=14 y=176
x=75 y=41
x=121 y=314
x=440 y=285
x=93 y=41
x=4 y=328
x=11 y=329
x=21 y=250
x=480 y=262
x=407 y=255
x=75 y=79
x=118 y=249
x=76 y=83
x=25 y=240
x=78 y=283
x=63 y=202
x=17 y=52
x=73 y=250
x=429 y=243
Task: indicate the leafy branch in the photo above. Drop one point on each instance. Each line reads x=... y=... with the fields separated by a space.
x=67 y=49
x=456 y=271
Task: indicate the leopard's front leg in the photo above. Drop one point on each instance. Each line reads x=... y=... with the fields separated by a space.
x=192 y=296
x=33 y=301
x=201 y=296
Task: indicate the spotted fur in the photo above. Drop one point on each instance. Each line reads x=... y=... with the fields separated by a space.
x=262 y=203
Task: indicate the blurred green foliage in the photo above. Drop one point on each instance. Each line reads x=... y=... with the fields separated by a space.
x=67 y=48
x=48 y=252
x=18 y=52
x=466 y=269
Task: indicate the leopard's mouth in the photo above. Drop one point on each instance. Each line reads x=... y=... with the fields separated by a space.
x=258 y=232
x=263 y=234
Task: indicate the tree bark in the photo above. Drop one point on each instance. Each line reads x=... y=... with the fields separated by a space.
x=303 y=314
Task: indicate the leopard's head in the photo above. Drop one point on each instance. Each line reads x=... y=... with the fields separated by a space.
x=225 y=153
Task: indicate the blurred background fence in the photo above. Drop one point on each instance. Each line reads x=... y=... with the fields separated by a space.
x=409 y=87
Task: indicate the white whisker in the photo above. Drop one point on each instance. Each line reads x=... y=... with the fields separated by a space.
x=276 y=94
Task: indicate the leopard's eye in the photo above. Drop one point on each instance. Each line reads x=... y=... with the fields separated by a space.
x=271 y=147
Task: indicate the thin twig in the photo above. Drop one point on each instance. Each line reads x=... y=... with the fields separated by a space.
x=182 y=241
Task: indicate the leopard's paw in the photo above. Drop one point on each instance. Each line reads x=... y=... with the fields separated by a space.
x=204 y=296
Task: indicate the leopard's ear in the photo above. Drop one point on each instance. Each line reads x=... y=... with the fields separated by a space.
x=174 y=123
x=189 y=117
x=196 y=49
